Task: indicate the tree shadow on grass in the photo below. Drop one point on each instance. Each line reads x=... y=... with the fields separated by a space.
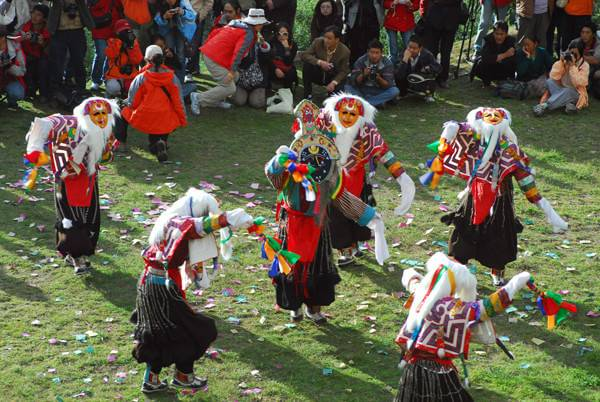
x=375 y=273
x=118 y=287
x=19 y=288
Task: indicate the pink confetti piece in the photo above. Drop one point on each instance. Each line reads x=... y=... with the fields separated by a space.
x=218 y=176
x=250 y=205
x=26 y=334
x=53 y=341
x=249 y=195
x=592 y=314
x=41 y=228
x=111 y=358
x=208 y=306
x=564 y=292
x=444 y=208
x=228 y=292
x=251 y=391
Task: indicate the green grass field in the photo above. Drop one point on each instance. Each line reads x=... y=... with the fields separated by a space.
x=47 y=362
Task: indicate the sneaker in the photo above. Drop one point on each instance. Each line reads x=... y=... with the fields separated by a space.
x=224 y=105
x=429 y=99
x=196 y=383
x=148 y=387
x=69 y=260
x=161 y=151
x=188 y=78
x=346 y=257
x=571 y=108
x=540 y=109
x=87 y=263
x=317 y=318
x=79 y=266
x=195 y=103
x=498 y=280
x=94 y=87
x=296 y=315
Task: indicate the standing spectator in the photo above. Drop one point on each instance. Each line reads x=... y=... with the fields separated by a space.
x=497 y=61
x=124 y=56
x=567 y=85
x=441 y=19
x=139 y=16
x=278 y=11
x=36 y=39
x=325 y=15
x=12 y=69
x=577 y=14
x=14 y=14
x=66 y=21
x=533 y=18
x=155 y=105
x=202 y=8
x=104 y=13
x=417 y=70
x=399 y=19
x=591 y=54
x=325 y=62
x=373 y=76
x=488 y=9
x=171 y=61
x=231 y=11
x=253 y=78
x=533 y=65
x=222 y=53
x=283 y=53
x=363 y=19
x=176 y=22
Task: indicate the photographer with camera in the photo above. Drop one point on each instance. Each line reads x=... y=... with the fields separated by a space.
x=12 y=69
x=373 y=76
x=35 y=39
x=417 y=71
x=66 y=22
x=124 y=56
x=567 y=85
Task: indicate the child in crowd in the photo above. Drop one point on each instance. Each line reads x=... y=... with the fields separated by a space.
x=35 y=40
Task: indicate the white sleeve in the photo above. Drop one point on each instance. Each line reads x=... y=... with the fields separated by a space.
x=450 y=131
x=38 y=134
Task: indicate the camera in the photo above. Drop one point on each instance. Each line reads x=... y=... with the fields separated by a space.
x=373 y=72
x=33 y=37
x=126 y=69
x=567 y=56
x=71 y=9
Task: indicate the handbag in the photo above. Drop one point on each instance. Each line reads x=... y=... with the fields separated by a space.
x=251 y=77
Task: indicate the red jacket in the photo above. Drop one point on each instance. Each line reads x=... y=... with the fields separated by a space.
x=35 y=49
x=100 y=9
x=118 y=57
x=399 y=17
x=227 y=46
x=150 y=109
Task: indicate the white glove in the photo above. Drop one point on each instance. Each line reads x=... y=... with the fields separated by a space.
x=381 y=249
x=558 y=224
x=410 y=279
x=407 y=186
x=67 y=223
x=516 y=283
x=239 y=219
x=284 y=149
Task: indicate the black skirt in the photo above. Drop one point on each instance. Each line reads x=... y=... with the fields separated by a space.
x=311 y=283
x=494 y=242
x=167 y=330
x=429 y=381
x=82 y=238
x=345 y=232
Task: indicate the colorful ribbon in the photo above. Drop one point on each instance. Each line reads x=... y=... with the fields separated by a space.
x=32 y=162
x=300 y=173
x=435 y=165
x=282 y=260
x=552 y=305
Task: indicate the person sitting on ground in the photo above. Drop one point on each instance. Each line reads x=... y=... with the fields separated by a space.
x=155 y=104
x=124 y=56
x=283 y=52
x=325 y=15
x=591 y=54
x=35 y=40
x=12 y=69
x=253 y=80
x=222 y=53
x=417 y=71
x=326 y=62
x=373 y=76
x=497 y=61
x=533 y=65
x=567 y=85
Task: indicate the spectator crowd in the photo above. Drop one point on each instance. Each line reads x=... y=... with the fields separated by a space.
x=249 y=49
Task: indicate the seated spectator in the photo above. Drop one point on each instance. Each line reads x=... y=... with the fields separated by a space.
x=124 y=56
x=155 y=105
x=372 y=76
x=176 y=22
x=497 y=61
x=231 y=11
x=591 y=54
x=12 y=69
x=253 y=77
x=283 y=53
x=277 y=11
x=35 y=46
x=222 y=53
x=325 y=62
x=325 y=15
x=533 y=65
x=417 y=70
x=105 y=13
x=567 y=85
x=399 y=19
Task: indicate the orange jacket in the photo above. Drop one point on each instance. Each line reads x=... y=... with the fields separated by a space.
x=579 y=7
x=119 y=56
x=137 y=11
x=155 y=102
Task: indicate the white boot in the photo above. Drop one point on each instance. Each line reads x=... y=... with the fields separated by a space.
x=558 y=224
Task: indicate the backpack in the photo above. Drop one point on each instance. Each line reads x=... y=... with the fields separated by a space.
x=511 y=89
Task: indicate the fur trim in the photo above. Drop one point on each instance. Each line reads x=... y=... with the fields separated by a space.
x=331 y=102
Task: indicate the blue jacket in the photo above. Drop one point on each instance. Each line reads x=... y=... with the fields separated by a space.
x=186 y=23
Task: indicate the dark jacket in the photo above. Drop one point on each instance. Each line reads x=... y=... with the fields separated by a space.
x=530 y=69
x=491 y=50
x=56 y=10
x=426 y=65
x=385 y=68
x=340 y=59
x=442 y=15
x=283 y=10
x=281 y=56
x=320 y=22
